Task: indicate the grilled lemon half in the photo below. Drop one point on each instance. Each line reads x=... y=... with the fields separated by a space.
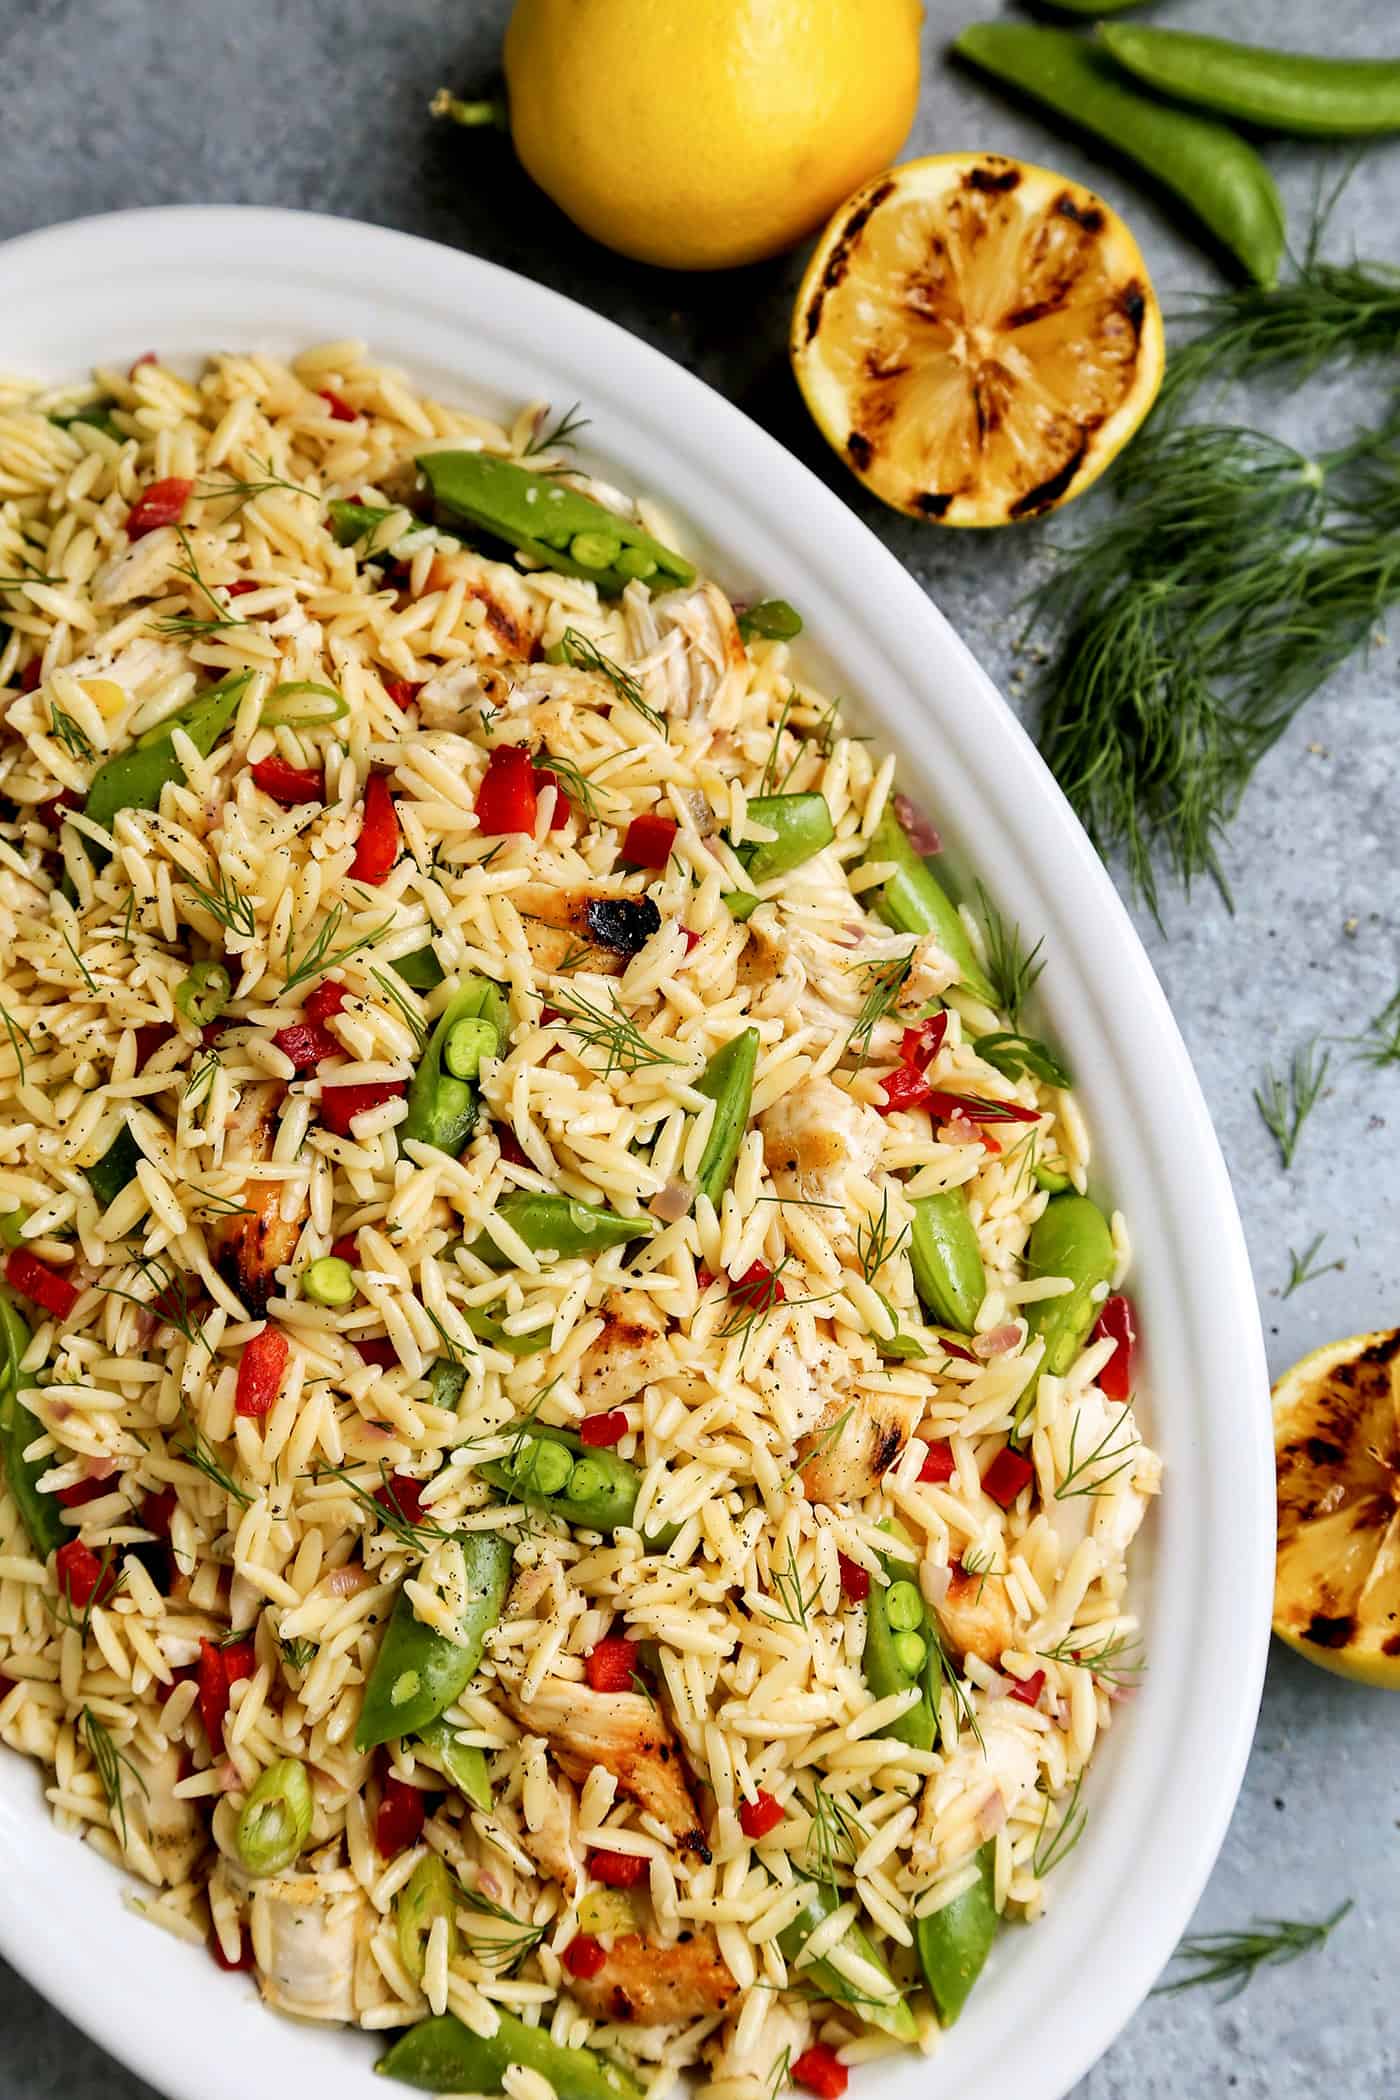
x=977 y=338
x=1337 y=1447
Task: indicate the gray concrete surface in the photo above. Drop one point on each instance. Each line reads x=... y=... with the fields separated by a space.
x=322 y=104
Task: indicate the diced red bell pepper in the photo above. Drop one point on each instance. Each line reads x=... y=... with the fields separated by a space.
x=347 y=1248
x=920 y=1045
x=759 y=1816
x=341 y=1104
x=401 y=691
x=32 y=673
x=242 y=587
x=649 y=841
x=245 y=1951
x=57 y=807
x=692 y=940
x=601 y=1432
x=617 y=1870
x=1008 y=1473
x=402 y=1496
x=510 y=1147
x=758 y=1288
x=964 y=1356
x=377 y=847
x=563 y=809
x=217 y=1670
x=341 y=411
x=149 y=1038
x=584 y=1956
x=938 y=1462
x=211 y=1031
x=85 y=1491
x=507 y=800
x=855 y=1580
x=1115 y=1322
x=307 y=1044
x=82 y=1578
x=41 y=1285
x=327 y=998
x=398 y=1820
x=379 y=1351
x=821 y=2071
x=158 y=1510
x=260 y=1370
x=905 y=1087
x=1029 y=1689
x=611 y=1665
x=162 y=503
x=288 y=784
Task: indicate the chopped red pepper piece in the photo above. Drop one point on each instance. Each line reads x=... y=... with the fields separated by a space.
x=1115 y=1322
x=157 y=1511
x=82 y=1578
x=260 y=1370
x=216 y=1671
x=85 y=1491
x=379 y=1351
x=964 y=1356
x=600 y=1432
x=57 y=807
x=510 y=1147
x=938 y=1461
x=507 y=799
x=341 y=1104
x=401 y=691
x=329 y=997
x=341 y=411
x=245 y=1950
x=161 y=504
x=584 y=1956
x=212 y=1030
x=944 y=1105
x=398 y=1820
x=563 y=809
x=649 y=841
x=1008 y=1473
x=149 y=1038
x=402 y=1496
x=41 y=1285
x=242 y=587
x=617 y=1870
x=346 y=1248
x=692 y=940
x=703 y=1277
x=31 y=675
x=307 y=1044
x=855 y=1580
x=920 y=1045
x=611 y=1665
x=1029 y=1689
x=906 y=1087
x=821 y=2070
x=286 y=784
x=758 y=1289
x=759 y=1816
x=377 y=847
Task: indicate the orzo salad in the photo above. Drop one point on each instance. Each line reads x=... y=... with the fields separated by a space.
x=567 y=1415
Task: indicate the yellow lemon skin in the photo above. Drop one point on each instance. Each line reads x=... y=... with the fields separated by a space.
x=700 y=134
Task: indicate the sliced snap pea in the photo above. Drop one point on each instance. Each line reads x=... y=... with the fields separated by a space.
x=40 y=1514
x=772 y=619
x=803 y=826
x=303 y=704
x=465 y=1764
x=445 y=1382
x=429 y=1893
x=549 y=1469
x=1070 y=1238
x=912 y=900
x=203 y=993
x=741 y=904
x=12 y=1224
x=727 y=1080
x=440 y=2055
x=351 y=522
x=946 y=1260
x=1053 y=1182
x=276 y=1818
x=898 y=1638
x=108 y=1176
x=560 y=1226
x=421 y=970
x=954 y=1943
x=487 y=1328
x=418 y=1672
x=442 y=1106
x=134 y=779
x=895 y=2017
x=329 y=1281
x=1221 y=179
x=541 y=516
x=1293 y=91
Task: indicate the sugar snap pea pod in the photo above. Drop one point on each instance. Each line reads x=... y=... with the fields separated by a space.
x=276 y=1818
x=561 y=1226
x=741 y=904
x=1220 y=178
x=487 y=1328
x=549 y=1469
x=429 y=1893
x=418 y=1672
x=1070 y=1238
x=421 y=969
x=954 y=1943
x=946 y=1260
x=912 y=900
x=803 y=824
x=727 y=1080
x=1053 y=1182
x=539 y=515
x=108 y=1176
x=1277 y=90
x=442 y=1096
x=445 y=1382
x=134 y=778
x=895 y=2017
x=464 y=1763
x=40 y=1514
x=897 y=1646
x=440 y=2055
x=352 y=522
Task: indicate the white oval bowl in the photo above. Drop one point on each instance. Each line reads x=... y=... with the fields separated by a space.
x=190 y=280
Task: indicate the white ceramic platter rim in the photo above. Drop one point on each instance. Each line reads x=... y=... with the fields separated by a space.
x=190 y=280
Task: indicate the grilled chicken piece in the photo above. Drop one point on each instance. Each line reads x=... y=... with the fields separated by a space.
x=549 y=1813
x=802 y=1383
x=557 y=929
x=976 y=1616
x=931 y=973
x=631 y=1351
x=627 y=1736
x=512 y=622
x=847 y=1464
x=258 y=1240
x=989 y=1782
x=750 y=2073
x=658 y=1985
x=696 y=675
x=163 y=1835
x=773 y=975
x=304 y=1940
x=814 y=1137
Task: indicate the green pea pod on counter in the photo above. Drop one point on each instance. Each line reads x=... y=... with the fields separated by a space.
x=549 y=1469
x=40 y=1514
x=946 y=1260
x=561 y=1226
x=134 y=778
x=803 y=826
x=418 y=1672
x=954 y=1943
x=727 y=1080
x=1071 y=1237
x=108 y=1176
x=440 y=2055
x=1210 y=168
x=898 y=1642
x=893 y=2016
x=1293 y=91
x=429 y=1893
x=912 y=900
x=541 y=516
x=465 y=1764
x=443 y=1099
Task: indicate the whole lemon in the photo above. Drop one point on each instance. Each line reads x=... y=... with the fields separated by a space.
x=702 y=133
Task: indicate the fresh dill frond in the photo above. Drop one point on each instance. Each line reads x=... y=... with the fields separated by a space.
x=1114 y=1661
x=887 y=981
x=836 y=1835
x=981 y=1561
x=243 y=492
x=1082 y=1475
x=875 y=1243
x=778 y=2076
x=18 y=583
x=574 y=782
x=942 y=1669
x=403 y=1006
x=17 y=1033
x=189 y=623
x=558 y=434
x=299 y=1655
x=824 y=733
x=320 y=956
x=1306 y=1268
x=75 y=740
x=199 y=1453
x=1235 y=1958
x=218 y=1206
x=226 y=904
x=1054 y=1845
x=102 y=1592
x=584 y=654
x=1285 y=1103
x=1012 y=970
x=109 y=1763
x=788 y=1603
x=171 y=1300
x=201 y=1078
x=768 y=781
x=1012 y=1055
x=415 y=1532
x=499 y=1950
x=83 y=971
x=1380 y=1046
x=825 y=1440
x=609 y=1030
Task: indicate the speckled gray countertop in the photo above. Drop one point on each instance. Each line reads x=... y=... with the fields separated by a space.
x=322 y=104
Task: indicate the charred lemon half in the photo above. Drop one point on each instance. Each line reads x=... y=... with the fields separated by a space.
x=977 y=338
x=1337 y=1446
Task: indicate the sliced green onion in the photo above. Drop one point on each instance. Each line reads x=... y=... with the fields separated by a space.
x=329 y=1281
x=302 y=704
x=204 y=993
x=468 y=1042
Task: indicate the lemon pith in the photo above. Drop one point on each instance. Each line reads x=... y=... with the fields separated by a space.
x=1337 y=1446
x=977 y=337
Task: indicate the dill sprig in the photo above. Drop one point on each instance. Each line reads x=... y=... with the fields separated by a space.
x=1012 y=1055
x=243 y=492
x=101 y=1592
x=1286 y=1102
x=1081 y=1476
x=836 y=1835
x=824 y=1441
x=941 y=1670
x=572 y=779
x=584 y=654
x=320 y=956
x=17 y=1033
x=1235 y=1958
x=1380 y=1045
x=875 y=1243
x=195 y=623
x=75 y=740
x=109 y=1763
x=417 y=1533
x=201 y=1078
x=1306 y=1268
x=403 y=1005
x=886 y=981
x=299 y=1655
x=1012 y=970
x=1116 y=1660
x=789 y=1604
x=609 y=1030
x=1053 y=1846
x=558 y=434
x=769 y=780
x=171 y=1300
x=83 y=971
x=504 y=1949
x=778 y=2076
x=200 y=1454
x=226 y=904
